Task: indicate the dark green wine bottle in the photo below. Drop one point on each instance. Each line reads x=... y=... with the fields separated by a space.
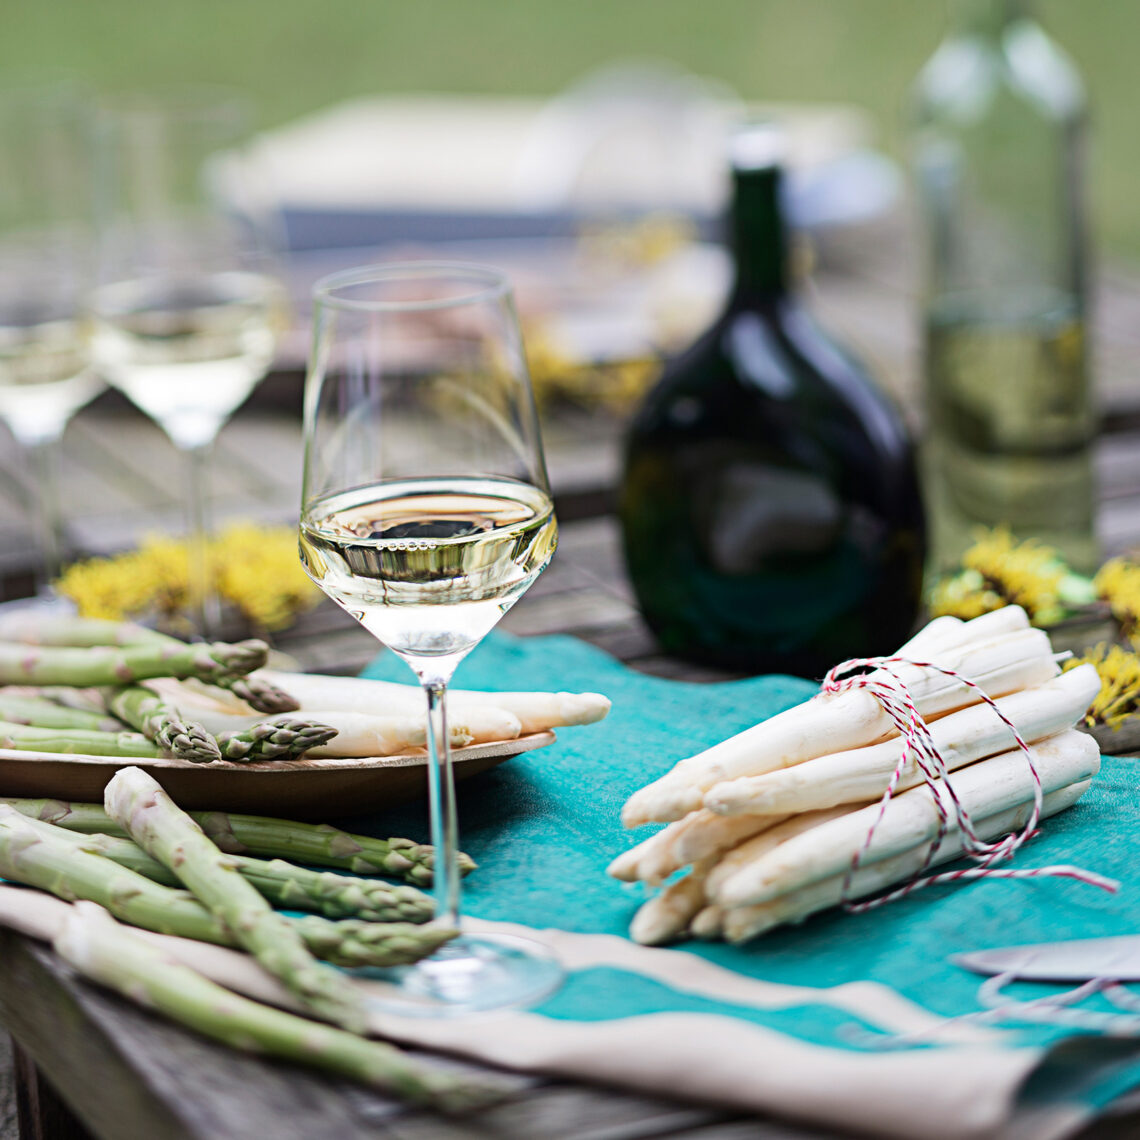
x=770 y=506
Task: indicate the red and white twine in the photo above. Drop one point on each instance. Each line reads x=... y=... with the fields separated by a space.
x=879 y=676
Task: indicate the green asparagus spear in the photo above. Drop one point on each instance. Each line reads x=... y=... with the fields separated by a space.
x=44 y=713
x=77 y=632
x=157 y=721
x=69 y=697
x=318 y=844
x=259 y=693
x=324 y=846
x=108 y=665
x=35 y=854
x=28 y=738
x=294 y=888
x=111 y=954
x=164 y=831
x=281 y=739
x=333 y=895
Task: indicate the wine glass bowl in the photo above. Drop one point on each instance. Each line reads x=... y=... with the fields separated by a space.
x=426 y=514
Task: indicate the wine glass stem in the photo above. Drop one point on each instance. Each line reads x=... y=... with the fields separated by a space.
x=444 y=817
x=203 y=599
x=43 y=452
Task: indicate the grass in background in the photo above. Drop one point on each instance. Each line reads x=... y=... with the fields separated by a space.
x=298 y=55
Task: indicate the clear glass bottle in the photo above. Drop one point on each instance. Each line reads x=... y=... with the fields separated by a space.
x=999 y=140
x=770 y=505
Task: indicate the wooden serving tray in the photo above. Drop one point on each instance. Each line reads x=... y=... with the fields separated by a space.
x=295 y=789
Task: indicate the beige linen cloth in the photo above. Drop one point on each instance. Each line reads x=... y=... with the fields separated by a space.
x=967 y=1089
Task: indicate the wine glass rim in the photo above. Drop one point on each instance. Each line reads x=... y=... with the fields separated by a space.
x=184 y=103
x=487 y=284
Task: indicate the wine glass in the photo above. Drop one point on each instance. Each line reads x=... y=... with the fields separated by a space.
x=45 y=266
x=426 y=513
x=187 y=308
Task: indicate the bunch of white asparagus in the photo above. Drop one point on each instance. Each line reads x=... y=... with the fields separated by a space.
x=382 y=718
x=770 y=822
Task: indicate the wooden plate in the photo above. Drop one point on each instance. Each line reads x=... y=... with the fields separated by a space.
x=295 y=789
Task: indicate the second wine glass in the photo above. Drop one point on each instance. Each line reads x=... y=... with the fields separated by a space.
x=426 y=513
x=187 y=311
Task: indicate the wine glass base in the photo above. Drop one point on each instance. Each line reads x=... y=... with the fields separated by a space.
x=471 y=974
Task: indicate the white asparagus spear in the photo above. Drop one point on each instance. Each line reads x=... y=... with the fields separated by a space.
x=359 y=735
x=747 y=853
x=465 y=726
x=740 y=924
x=708 y=923
x=864 y=773
x=536 y=712
x=948 y=633
x=698 y=836
x=836 y=722
x=911 y=819
x=668 y=914
x=357 y=731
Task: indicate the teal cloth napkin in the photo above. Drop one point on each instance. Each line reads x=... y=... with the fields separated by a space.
x=544 y=825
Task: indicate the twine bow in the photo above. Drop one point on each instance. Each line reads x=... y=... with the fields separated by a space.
x=879 y=676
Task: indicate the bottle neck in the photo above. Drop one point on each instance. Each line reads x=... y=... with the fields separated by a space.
x=988 y=18
x=757 y=234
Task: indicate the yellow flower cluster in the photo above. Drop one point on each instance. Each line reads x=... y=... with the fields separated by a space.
x=152 y=579
x=1117 y=582
x=555 y=375
x=255 y=568
x=1001 y=571
x=1119 y=695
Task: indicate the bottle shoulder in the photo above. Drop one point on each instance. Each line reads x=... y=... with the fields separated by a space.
x=770 y=351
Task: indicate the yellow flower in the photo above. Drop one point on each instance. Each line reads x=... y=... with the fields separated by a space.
x=1119 y=695
x=254 y=568
x=258 y=570
x=557 y=375
x=1118 y=583
x=964 y=596
x=1000 y=571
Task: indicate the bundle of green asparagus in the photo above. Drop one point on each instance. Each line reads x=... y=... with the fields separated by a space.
x=785 y=819
x=76 y=685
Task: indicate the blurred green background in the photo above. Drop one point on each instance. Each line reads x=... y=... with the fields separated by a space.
x=298 y=55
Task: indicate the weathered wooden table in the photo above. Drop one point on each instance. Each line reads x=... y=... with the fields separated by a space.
x=88 y=1063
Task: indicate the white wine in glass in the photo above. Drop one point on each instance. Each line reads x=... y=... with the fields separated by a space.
x=426 y=514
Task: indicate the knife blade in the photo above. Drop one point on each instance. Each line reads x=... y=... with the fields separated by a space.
x=1076 y=960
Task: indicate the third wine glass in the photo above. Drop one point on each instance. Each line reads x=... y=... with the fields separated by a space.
x=187 y=311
